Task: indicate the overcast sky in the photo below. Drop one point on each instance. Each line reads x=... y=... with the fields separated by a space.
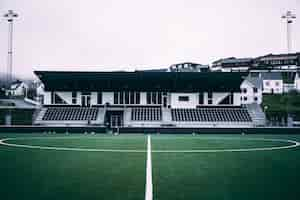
x=138 y=34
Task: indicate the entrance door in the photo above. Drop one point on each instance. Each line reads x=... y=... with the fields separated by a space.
x=114 y=119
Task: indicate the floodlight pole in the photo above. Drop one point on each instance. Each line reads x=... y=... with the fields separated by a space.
x=10 y=15
x=288 y=17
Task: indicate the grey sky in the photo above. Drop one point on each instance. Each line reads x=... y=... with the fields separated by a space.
x=125 y=35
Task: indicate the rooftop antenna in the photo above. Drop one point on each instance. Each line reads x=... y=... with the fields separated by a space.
x=9 y=16
x=288 y=17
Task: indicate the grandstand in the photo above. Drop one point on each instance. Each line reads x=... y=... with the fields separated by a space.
x=146 y=99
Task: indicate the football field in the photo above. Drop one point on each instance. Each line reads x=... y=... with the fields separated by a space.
x=77 y=166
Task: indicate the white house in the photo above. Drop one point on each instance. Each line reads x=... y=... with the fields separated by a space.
x=251 y=90
x=17 y=88
x=272 y=82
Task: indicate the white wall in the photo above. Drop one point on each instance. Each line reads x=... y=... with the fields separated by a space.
x=193 y=100
x=94 y=99
x=66 y=96
x=277 y=89
x=108 y=97
x=143 y=97
x=237 y=99
x=218 y=97
x=47 y=98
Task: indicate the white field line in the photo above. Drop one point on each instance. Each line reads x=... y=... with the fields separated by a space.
x=149 y=186
x=293 y=145
x=2 y=142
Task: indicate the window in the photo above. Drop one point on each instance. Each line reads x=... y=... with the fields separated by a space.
x=183 y=98
x=210 y=98
x=245 y=98
x=59 y=100
x=267 y=83
x=255 y=98
x=99 y=98
x=255 y=90
x=116 y=98
x=159 y=98
x=52 y=98
x=154 y=97
x=148 y=98
x=137 y=98
x=126 y=97
x=74 y=94
x=131 y=97
x=201 y=97
x=277 y=83
x=121 y=98
x=244 y=90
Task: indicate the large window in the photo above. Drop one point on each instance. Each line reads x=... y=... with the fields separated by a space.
x=74 y=97
x=201 y=98
x=183 y=98
x=127 y=97
x=55 y=99
x=210 y=98
x=154 y=98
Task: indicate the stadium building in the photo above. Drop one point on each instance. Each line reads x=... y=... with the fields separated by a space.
x=147 y=99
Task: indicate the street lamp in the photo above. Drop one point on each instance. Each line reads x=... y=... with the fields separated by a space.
x=288 y=17
x=9 y=16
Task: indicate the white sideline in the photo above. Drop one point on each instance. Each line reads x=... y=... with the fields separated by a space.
x=149 y=186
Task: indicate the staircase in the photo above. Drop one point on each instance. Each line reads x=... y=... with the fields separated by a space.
x=40 y=115
x=166 y=116
x=257 y=115
x=100 y=117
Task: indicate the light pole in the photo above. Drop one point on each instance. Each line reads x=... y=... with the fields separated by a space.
x=10 y=15
x=288 y=17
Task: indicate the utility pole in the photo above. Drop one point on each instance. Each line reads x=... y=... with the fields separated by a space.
x=288 y=17
x=9 y=16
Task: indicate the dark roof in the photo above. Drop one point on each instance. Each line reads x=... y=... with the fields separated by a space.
x=280 y=56
x=271 y=76
x=141 y=81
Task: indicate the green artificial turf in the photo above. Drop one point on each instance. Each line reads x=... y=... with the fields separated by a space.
x=53 y=174
x=227 y=175
x=45 y=174
x=190 y=142
x=86 y=142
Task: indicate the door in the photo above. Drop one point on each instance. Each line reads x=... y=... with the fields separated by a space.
x=114 y=119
